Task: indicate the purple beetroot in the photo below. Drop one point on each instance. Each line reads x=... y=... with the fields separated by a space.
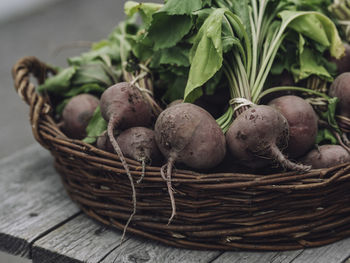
x=138 y=143
x=77 y=114
x=123 y=106
x=257 y=136
x=302 y=121
x=187 y=134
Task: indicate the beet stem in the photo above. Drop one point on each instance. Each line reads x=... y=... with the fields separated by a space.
x=282 y=160
x=110 y=130
x=167 y=178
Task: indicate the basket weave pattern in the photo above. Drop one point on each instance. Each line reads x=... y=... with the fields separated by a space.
x=223 y=211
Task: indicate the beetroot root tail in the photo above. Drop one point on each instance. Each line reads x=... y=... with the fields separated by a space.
x=167 y=178
x=282 y=160
x=110 y=131
x=143 y=163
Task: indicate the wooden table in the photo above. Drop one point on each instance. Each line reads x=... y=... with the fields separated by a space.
x=40 y=222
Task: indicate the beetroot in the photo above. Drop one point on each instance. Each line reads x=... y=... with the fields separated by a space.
x=77 y=114
x=256 y=136
x=174 y=102
x=104 y=143
x=340 y=88
x=123 y=106
x=188 y=134
x=139 y=143
x=302 y=121
x=326 y=156
x=343 y=63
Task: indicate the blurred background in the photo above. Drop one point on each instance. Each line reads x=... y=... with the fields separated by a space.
x=51 y=30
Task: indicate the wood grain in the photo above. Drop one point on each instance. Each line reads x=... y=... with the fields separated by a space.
x=334 y=253
x=84 y=240
x=257 y=257
x=79 y=240
x=33 y=200
x=141 y=250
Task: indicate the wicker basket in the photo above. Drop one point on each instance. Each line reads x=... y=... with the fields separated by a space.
x=223 y=211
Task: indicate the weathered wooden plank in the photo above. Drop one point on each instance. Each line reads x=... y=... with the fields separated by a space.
x=257 y=257
x=84 y=240
x=33 y=200
x=79 y=240
x=334 y=253
x=145 y=251
x=337 y=252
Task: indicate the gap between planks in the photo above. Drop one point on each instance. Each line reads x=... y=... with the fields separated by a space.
x=49 y=231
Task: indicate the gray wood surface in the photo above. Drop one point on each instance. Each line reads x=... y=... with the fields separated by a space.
x=141 y=250
x=39 y=221
x=32 y=200
x=337 y=252
x=84 y=240
x=257 y=257
x=79 y=240
x=334 y=253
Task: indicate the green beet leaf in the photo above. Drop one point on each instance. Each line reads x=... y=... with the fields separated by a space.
x=106 y=52
x=329 y=115
x=176 y=56
x=325 y=136
x=96 y=127
x=181 y=7
x=315 y=26
x=312 y=5
x=167 y=30
x=91 y=88
x=141 y=47
x=309 y=63
x=172 y=82
x=59 y=83
x=285 y=59
x=59 y=108
x=175 y=89
x=86 y=88
x=242 y=8
x=200 y=17
x=207 y=3
x=146 y=10
x=206 y=55
x=109 y=50
x=94 y=72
